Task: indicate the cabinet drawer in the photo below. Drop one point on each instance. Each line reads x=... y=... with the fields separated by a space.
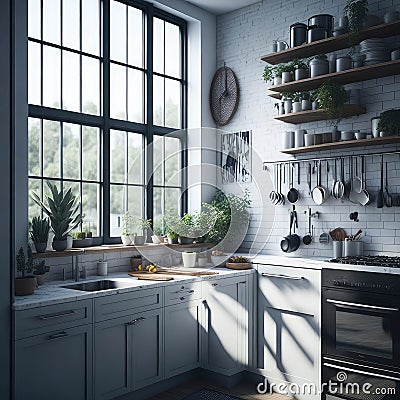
x=182 y=293
x=121 y=304
x=40 y=320
x=289 y=288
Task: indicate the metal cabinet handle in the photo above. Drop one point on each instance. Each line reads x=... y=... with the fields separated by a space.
x=59 y=315
x=181 y=298
x=358 y=305
x=57 y=335
x=357 y=371
x=191 y=291
x=135 y=321
x=295 y=278
x=214 y=284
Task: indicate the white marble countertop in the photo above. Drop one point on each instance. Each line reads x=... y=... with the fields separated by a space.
x=54 y=292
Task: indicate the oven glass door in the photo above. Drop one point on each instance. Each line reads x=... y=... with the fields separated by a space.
x=361 y=326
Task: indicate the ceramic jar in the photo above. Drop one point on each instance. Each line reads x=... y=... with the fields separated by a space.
x=343 y=63
x=318 y=67
x=288 y=140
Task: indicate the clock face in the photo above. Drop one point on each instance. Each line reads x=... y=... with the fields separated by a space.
x=224 y=96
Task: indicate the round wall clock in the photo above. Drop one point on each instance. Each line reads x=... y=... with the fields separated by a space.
x=224 y=95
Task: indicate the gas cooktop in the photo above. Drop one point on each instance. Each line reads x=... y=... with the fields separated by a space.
x=376 y=261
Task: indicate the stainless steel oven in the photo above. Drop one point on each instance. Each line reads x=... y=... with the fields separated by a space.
x=361 y=331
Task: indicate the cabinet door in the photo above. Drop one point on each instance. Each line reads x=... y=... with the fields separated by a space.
x=55 y=365
x=182 y=338
x=112 y=360
x=146 y=337
x=226 y=325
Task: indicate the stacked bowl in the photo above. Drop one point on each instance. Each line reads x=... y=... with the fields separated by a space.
x=376 y=51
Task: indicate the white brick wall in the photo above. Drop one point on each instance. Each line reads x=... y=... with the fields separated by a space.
x=243 y=36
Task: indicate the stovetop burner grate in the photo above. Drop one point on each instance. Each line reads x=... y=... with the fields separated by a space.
x=378 y=261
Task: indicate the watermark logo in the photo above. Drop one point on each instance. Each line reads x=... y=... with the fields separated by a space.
x=341 y=385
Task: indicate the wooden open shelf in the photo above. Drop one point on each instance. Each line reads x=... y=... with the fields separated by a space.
x=349 y=76
x=331 y=44
x=118 y=248
x=319 y=115
x=344 y=145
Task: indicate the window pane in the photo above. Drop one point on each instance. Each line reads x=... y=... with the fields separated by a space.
x=172 y=161
x=158 y=100
x=135 y=200
x=118 y=156
x=172 y=103
x=117 y=208
x=158 y=45
x=158 y=201
x=90 y=86
x=71 y=81
x=172 y=197
x=34 y=78
x=118 y=32
x=158 y=157
x=90 y=153
x=33 y=208
x=118 y=92
x=34 y=23
x=173 y=49
x=51 y=149
x=71 y=145
x=71 y=24
x=90 y=207
x=52 y=21
x=51 y=77
x=135 y=37
x=135 y=160
x=136 y=96
x=33 y=146
x=90 y=27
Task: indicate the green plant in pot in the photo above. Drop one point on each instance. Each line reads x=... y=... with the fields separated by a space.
x=39 y=233
x=126 y=228
x=25 y=284
x=39 y=270
x=140 y=225
x=300 y=67
x=287 y=71
x=62 y=208
x=297 y=96
x=356 y=11
x=389 y=123
x=331 y=97
x=186 y=229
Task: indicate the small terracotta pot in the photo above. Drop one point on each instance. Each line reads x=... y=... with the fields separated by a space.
x=25 y=285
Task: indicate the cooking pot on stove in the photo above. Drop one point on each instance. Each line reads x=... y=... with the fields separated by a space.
x=298 y=34
x=323 y=21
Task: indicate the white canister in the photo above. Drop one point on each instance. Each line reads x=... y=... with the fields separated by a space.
x=332 y=63
x=353 y=248
x=299 y=137
x=296 y=106
x=286 y=77
x=288 y=106
x=288 y=140
x=102 y=268
x=309 y=139
x=343 y=63
x=374 y=125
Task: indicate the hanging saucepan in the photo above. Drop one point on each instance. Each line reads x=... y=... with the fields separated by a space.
x=319 y=192
x=291 y=242
x=293 y=194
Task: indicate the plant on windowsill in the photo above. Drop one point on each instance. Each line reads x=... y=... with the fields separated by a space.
x=141 y=225
x=39 y=233
x=25 y=284
x=126 y=228
x=62 y=209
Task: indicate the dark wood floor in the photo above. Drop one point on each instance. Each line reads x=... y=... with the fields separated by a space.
x=244 y=390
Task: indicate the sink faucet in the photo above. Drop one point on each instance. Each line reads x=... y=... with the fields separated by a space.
x=75 y=268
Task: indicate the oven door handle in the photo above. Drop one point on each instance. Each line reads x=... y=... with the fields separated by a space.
x=357 y=371
x=364 y=306
x=295 y=278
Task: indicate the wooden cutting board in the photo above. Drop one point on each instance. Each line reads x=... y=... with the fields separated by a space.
x=166 y=274
x=150 y=276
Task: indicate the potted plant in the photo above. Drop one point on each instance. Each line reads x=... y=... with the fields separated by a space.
x=39 y=233
x=389 y=123
x=297 y=101
x=301 y=70
x=186 y=229
x=287 y=72
x=331 y=97
x=172 y=237
x=157 y=236
x=126 y=228
x=355 y=11
x=238 y=262
x=39 y=270
x=135 y=262
x=273 y=73
x=25 y=284
x=305 y=101
x=63 y=210
x=141 y=225
x=189 y=258
x=314 y=100
x=287 y=102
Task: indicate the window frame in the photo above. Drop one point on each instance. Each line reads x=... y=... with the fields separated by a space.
x=106 y=123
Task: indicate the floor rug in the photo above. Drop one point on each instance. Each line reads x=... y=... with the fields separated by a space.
x=205 y=394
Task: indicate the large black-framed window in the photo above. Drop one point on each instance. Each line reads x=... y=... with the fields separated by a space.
x=107 y=94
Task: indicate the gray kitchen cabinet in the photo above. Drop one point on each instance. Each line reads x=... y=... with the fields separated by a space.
x=182 y=337
x=289 y=309
x=127 y=353
x=226 y=335
x=55 y=365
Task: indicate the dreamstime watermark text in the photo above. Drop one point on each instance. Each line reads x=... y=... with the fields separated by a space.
x=339 y=386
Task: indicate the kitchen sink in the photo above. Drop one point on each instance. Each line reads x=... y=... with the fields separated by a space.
x=96 y=286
